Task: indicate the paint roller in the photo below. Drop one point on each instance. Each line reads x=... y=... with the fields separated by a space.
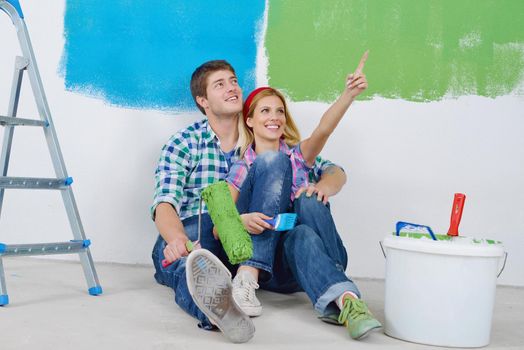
x=234 y=238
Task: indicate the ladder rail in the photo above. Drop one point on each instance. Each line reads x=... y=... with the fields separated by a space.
x=28 y=62
x=40 y=98
x=37 y=87
x=15 y=7
x=45 y=115
x=7 y=141
x=4 y=299
x=49 y=132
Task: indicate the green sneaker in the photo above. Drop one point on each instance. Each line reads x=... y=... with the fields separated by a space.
x=357 y=318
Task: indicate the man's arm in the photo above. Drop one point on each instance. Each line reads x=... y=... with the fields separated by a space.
x=331 y=181
x=170 y=179
x=172 y=231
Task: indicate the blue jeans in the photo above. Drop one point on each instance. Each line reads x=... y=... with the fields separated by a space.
x=309 y=258
x=266 y=189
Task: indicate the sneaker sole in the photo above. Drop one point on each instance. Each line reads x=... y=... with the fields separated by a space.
x=251 y=311
x=209 y=283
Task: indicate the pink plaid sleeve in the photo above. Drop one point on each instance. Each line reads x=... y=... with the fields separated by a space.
x=237 y=174
x=298 y=159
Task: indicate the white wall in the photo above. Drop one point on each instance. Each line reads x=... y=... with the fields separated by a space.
x=405 y=161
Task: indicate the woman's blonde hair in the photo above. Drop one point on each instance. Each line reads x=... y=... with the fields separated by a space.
x=246 y=137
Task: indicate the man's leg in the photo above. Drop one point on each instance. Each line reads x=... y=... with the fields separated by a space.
x=174 y=275
x=209 y=283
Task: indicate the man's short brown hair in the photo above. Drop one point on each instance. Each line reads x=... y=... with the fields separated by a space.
x=199 y=78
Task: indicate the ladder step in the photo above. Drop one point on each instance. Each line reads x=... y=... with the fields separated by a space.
x=73 y=246
x=35 y=183
x=11 y=121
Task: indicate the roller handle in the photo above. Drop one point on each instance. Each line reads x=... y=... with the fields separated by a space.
x=456 y=214
x=190 y=246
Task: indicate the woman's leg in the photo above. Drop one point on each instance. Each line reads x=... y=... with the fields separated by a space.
x=307 y=259
x=267 y=189
x=317 y=216
x=306 y=262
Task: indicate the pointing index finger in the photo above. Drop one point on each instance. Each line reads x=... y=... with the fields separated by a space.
x=362 y=62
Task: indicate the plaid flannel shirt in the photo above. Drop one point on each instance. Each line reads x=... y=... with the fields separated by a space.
x=189 y=162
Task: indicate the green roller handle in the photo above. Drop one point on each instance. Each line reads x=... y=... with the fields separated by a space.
x=234 y=238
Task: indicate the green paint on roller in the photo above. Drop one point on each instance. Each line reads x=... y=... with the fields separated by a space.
x=419 y=50
x=233 y=236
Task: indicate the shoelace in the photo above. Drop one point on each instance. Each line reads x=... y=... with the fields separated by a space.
x=246 y=290
x=353 y=308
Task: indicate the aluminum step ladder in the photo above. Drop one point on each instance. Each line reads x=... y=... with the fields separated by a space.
x=62 y=183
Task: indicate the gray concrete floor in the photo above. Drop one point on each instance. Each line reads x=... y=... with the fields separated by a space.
x=50 y=309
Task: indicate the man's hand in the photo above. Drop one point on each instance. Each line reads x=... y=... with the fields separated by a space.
x=175 y=249
x=312 y=189
x=254 y=222
x=356 y=82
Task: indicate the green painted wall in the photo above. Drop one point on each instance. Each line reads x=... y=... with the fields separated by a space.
x=420 y=50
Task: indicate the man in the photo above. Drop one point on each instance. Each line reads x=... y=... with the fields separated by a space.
x=192 y=159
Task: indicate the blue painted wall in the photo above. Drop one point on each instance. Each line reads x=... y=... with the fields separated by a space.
x=134 y=54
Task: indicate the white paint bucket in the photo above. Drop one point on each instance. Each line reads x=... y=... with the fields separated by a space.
x=441 y=292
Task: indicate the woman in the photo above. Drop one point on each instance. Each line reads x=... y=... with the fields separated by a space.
x=270 y=134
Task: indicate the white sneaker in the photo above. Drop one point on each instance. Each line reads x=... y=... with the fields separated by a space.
x=244 y=286
x=209 y=283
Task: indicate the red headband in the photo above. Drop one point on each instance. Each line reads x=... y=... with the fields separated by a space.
x=250 y=98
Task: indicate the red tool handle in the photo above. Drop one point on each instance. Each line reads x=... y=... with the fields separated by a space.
x=165 y=263
x=190 y=246
x=456 y=214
